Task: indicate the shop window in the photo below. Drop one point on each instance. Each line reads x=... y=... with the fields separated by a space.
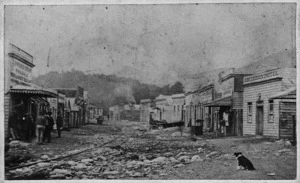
x=271 y=111
x=249 y=111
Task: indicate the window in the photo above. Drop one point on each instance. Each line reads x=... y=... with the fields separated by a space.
x=249 y=111
x=271 y=111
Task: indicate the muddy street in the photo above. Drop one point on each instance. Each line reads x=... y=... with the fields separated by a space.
x=129 y=150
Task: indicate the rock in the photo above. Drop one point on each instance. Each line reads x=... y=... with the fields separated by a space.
x=142 y=157
x=87 y=161
x=176 y=134
x=57 y=176
x=111 y=172
x=214 y=153
x=44 y=157
x=196 y=158
x=43 y=164
x=181 y=154
x=184 y=158
x=271 y=174
x=111 y=177
x=173 y=160
x=80 y=166
x=79 y=173
x=102 y=158
x=135 y=174
x=159 y=160
x=189 y=171
x=228 y=156
x=162 y=174
x=287 y=143
x=178 y=165
x=61 y=171
x=72 y=163
x=200 y=150
x=168 y=154
x=281 y=141
x=159 y=137
x=284 y=150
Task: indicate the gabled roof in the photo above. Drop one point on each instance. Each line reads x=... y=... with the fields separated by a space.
x=288 y=94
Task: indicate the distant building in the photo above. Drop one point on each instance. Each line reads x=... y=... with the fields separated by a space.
x=145 y=110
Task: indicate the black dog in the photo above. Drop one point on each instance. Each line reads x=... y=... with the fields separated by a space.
x=243 y=162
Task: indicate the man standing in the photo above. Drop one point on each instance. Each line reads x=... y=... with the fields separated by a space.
x=59 y=123
x=40 y=127
x=48 y=128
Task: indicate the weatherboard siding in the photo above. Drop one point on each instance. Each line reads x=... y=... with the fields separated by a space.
x=251 y=95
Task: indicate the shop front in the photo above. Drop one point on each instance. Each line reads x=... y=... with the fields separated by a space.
x=23 y=101
x=227 y=105
x=270 y=103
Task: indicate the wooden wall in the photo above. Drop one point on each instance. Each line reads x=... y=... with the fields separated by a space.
x=266 y=89
x=287 y=111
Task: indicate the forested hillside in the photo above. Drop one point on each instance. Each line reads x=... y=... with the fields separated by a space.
x=106 y=90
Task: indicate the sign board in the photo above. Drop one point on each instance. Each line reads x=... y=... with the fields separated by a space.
x=52 y=102
x=20 y=73
x=261 y=77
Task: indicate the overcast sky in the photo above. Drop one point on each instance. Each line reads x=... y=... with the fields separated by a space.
x=153 y=43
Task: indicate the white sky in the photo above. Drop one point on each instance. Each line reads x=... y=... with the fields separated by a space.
x=153 y=43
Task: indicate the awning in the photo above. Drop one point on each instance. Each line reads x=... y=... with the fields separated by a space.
x=226 y=101
x=33 y=90
x=38 y=99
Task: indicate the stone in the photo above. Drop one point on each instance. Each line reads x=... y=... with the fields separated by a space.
x=44 y=157
x=176 y=134
x=111 y=172
x=61 y=171
x=111 y=177
x=228 y=156
x=102 y=158
x=284 y=150
x=200 y=150
x=184 y=158
x=159 y=160
x=178 y=165
x=173 y=160
x=159 y=137
x=214 y=153
x=196 y=158
x=79 y=173
x=168 y=154
x=136 y=174
x=72 y=163
x=287 y=143
x=87 y=161
x=281 y=141
x=43 y=164
x=57 y=176
x=80 y=166
x=181 y=154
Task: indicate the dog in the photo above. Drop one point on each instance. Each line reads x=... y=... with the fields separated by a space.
x=243 y=162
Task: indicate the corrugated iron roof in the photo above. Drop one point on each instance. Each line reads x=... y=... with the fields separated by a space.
x=34 y=89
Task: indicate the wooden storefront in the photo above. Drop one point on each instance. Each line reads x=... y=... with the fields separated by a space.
x=265 y=112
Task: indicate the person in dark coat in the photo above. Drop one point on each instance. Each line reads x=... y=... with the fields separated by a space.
x=59 y=124
x=48 y=128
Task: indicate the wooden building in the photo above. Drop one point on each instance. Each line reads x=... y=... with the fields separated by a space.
x=195 y=109
x=228 y=103
x=145 y=110
x=23 y=101
x=269 y=105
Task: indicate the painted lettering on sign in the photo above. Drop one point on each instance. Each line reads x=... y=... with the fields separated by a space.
x=20 y=72
x=261 y=77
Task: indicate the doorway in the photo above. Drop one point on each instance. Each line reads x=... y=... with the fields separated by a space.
x=259 y=120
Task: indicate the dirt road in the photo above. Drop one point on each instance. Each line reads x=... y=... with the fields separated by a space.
x=140 y=153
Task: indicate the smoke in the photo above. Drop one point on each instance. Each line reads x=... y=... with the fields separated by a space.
x=124 y=91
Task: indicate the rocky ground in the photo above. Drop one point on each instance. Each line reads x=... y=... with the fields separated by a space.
x=129 y=150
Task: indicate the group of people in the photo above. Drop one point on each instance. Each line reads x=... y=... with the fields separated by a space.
x=44 y=126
